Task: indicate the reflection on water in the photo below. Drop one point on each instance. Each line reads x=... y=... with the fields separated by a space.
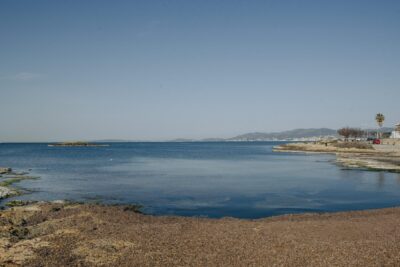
x=202 y=179
x=381 y=179
x=363 y=176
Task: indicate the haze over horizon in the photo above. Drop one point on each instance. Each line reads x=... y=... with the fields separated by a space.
x=158 y=70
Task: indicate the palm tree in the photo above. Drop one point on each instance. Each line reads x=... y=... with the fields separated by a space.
x=380 y=118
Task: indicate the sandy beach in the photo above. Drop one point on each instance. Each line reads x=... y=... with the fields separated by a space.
x=94 y=235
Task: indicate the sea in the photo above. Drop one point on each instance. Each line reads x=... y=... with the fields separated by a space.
x=205 y=179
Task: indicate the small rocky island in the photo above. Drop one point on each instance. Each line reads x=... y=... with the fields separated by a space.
x=77 y=144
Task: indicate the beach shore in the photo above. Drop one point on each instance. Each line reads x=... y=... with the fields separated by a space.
x=56 y=234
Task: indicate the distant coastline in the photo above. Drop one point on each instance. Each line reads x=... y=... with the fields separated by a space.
x=295 y=135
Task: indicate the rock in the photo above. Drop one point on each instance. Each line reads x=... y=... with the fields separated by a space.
x=19 y=203
x=58 y=201
x=5 y=170
x=5 y=192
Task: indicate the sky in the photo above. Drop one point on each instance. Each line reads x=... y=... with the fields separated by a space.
x=158 y=70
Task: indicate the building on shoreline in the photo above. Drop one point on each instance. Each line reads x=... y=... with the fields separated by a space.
x=396 y=132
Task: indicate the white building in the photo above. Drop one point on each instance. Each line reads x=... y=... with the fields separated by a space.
x=396 y=132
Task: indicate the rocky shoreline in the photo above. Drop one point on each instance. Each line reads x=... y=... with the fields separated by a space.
x=379 y=158
x=388 y=163
x=7 y=178
x=4 y=190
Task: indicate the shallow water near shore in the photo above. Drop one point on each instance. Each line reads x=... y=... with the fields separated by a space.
x=213 y=179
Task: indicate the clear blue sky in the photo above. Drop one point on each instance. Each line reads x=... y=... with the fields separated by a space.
x=157 y=70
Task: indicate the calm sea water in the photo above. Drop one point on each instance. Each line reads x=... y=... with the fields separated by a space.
x=216 y=179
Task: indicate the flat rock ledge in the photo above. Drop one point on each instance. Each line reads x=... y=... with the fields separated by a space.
x=321 y=148
x=5 y=170
x=6 y=192
x=379 y=159
x=371 y=162
x=7 y=178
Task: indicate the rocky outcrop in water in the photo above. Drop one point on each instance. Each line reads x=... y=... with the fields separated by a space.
x=7 y=178
x=5 y=170
x=6 y=192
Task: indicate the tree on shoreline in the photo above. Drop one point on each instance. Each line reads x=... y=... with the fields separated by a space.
x=357 y=133
x=347 y=132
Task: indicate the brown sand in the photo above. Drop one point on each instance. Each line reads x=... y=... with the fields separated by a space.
x=94 y=235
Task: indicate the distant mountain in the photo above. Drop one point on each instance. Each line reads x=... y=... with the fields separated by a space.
x=383 y=130
x=296 y=134
x=213 y=140
x=111 y=141
x=182 y=140
x=285 y=135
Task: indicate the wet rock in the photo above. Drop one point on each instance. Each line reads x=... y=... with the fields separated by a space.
x=5 y=192
x=55 y=209
x=18 y=203
x=5 y=170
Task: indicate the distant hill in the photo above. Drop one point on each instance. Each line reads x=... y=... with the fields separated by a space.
x=383 y=130
x=311 y=133
x=111 y=141
x=285 y=135
x=182 y=140
x=213 y=140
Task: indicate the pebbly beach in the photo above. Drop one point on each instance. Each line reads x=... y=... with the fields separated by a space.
x=68 y=234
